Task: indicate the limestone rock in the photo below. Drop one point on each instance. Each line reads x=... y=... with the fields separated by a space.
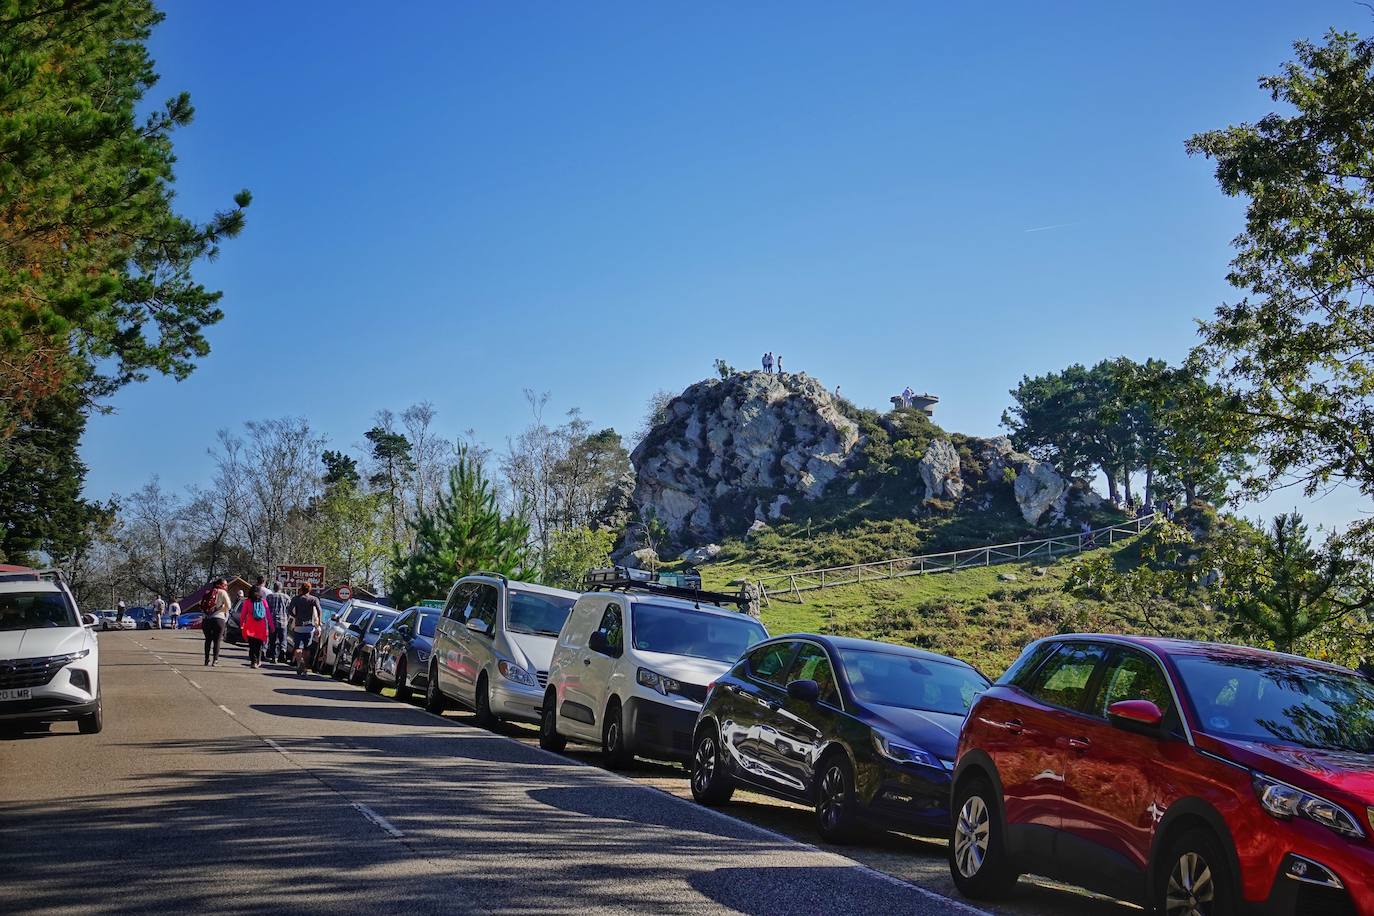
x=695 y=555
x=1039 y=489
x=940 y=471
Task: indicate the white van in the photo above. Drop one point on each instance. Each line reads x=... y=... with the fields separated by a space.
x=492 y=647
x=49 y=654
x=632 y=668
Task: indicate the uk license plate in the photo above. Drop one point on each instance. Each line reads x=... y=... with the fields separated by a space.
x=21 y=693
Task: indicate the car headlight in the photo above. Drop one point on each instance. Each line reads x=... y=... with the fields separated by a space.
x=1284 y=802
x=421 y=656
x=513 y=672
x=660 y=682
x=68 y=659
x=903 y=752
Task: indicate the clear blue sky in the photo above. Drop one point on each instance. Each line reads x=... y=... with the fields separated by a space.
x=457 y=201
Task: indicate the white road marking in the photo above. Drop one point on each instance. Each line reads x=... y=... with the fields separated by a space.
x=276 y=747
x=228 y=710
x=193 y=683
x=377 y=819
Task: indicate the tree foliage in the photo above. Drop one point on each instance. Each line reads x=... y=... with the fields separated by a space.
x=572 y=552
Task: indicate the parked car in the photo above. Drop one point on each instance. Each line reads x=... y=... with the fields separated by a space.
x=493 y=645
x=192 y=620
x=631 y=671
x=355 y=648
x=401 y=657
x=141 y=616
x=864 y=731
x=327 y=659
x=1189 y=777
x=110 y=620
x=49 y=655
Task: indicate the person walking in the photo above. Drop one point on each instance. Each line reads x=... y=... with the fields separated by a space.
x=255 y=620
x=304 y=614
x=174 y=611
x=159 y=608
x=216 y=606
x=276 y=642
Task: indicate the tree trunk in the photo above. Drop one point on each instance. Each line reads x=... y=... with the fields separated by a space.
x=1126 y=478
x=1149 y=482
x=1111 y=485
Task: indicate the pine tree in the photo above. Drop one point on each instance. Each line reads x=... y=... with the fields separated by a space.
x=464 y=532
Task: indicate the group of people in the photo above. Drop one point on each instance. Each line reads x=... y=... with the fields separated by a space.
x=770 y=361
x=265 y=616
x=159 y=609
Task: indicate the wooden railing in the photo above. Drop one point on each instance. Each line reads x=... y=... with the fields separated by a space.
x=792 y=584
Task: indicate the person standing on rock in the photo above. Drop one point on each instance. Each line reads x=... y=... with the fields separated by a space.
x=779 y=362
x=768 y=362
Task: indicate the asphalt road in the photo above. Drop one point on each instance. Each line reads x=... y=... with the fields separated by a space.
x=229 y=790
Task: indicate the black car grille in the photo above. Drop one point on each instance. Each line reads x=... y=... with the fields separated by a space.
x=1314 y=900
x=28 y=672
x=693 y=692
x=542 y=677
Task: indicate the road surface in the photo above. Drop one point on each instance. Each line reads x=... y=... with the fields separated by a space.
x=229 y=790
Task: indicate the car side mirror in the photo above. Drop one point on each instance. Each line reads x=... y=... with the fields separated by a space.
x=356 y=627
x=806 y=691
x=88 y=620
x=478 y=626
x=598 y=643
x=1136 y=714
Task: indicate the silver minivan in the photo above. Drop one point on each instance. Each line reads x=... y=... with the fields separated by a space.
x=492 y=647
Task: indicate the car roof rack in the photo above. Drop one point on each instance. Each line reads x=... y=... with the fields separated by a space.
x=491 y=575
x=624 y=579
x=33 y=575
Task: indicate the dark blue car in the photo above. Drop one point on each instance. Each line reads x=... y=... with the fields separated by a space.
x=401 y=656
x=864 y=731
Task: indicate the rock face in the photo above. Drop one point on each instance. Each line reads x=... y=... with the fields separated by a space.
x=940 y=471
x=1039 y=488
x=698 y=555
x=736 y=450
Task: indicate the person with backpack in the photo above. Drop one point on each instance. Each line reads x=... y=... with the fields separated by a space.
x=255 y=620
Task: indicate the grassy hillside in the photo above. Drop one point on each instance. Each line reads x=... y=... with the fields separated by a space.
x=970 y=613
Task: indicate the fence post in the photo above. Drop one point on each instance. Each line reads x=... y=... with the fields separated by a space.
x=822 y=578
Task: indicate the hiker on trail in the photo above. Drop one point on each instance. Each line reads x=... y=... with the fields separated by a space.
x=1085 y=531
x=159 y=608
x=216 y=606
x=768 y=363
x=255 y=620
x=276 y=643
x=837 y=391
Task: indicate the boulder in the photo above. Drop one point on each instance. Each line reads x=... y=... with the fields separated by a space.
x=695 y=555
x=643 y=558
x=759 y=527
x=1039 y=489
x=940 y=471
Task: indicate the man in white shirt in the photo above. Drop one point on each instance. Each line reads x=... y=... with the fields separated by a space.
x=159 y=608
x=174 y=611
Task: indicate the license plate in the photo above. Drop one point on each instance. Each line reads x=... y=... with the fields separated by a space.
x=22 y=693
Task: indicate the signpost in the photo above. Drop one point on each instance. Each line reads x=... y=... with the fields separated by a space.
x=433 y=602
x=344 y=592
x=292 y=576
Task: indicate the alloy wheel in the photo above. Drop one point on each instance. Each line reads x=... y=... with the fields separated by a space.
x=1191 y=888
x=971 y=836
x=705 y=767
x=832 y=797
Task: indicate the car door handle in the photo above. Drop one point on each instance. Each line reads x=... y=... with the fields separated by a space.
x=1015 y=726
x=1079 y=744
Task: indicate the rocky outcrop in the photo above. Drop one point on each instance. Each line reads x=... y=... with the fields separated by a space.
x=940 y=472
x=698 y=555
x=1037 y=486
x=735 y=450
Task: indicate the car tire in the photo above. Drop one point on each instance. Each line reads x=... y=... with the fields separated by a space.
x=434 y=700
x=978 y=859
x=92 y=723
x=356 y=669
x=1194 y=876
x=370 y=682
x=402 y=688
x=337 y=671
x=837 y=811
x=483 y=717
x=613 y=746
x=711 y=784
x=549 y=738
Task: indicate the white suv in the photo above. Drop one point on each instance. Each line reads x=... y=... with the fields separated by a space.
x=49 y=654
x=631 y=671
x=492 y=647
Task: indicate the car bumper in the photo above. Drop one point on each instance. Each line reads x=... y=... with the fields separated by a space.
x=659 y=730
x=906 y=797
x=63 y=697
x=515 y=701
x=1306 y=868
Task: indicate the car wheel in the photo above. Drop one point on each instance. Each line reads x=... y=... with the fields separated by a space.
x=92 y=723
x=711 y=784
x=484 y=717
x=613 y=746
x=370 y=683
x=978 y=860
x=402 y=688
x=836 y=809
x=337 y=671
x=356 y=669
x=434 y=700
x=1194 y=878
x=549 y=738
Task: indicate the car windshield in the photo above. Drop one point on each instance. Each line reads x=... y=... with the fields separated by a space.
x=381 y=621
x=682 y=631
x=427 y=624
x=35 y=610
x=1279 y=702
x=891 y=679
x=536 y=613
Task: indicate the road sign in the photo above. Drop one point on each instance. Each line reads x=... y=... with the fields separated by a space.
x=292 y=576
x=345 y=593
x=432 y=602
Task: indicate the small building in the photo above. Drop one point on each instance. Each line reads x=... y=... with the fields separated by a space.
x=924 y=402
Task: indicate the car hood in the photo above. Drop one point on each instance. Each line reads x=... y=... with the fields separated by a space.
x=42 y=643
x=538 y=650
x=1318 y=771
x=684 y=668
x=937 y=732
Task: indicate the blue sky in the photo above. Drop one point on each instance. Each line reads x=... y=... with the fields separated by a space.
x=457 y=201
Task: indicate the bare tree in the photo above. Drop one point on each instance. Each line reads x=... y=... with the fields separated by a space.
x=158 y=541
x=431 y=455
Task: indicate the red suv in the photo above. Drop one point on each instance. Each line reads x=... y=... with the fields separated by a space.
x=1194 y=778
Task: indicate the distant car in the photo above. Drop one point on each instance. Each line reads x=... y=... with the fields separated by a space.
x=327 y=658
x=109 y=620
x=864 y=731
x=49 y=659
x=141 y=616
x=355 y=649
x=401 y=657
x=192 y=620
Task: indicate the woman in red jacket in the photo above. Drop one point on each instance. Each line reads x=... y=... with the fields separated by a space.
x=255 y=620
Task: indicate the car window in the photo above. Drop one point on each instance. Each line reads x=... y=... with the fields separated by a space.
x=458 y=599
x=380 y=622
x=532 y=612
x=769 y=663
x=612 y=626
x=483 y=606
x=1133 y=676
x=896 y=679
x=1024 y=669
x=427 y=624
x=35 y=610
x=678 y=630
x=1063 y=680
x=813 y=664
